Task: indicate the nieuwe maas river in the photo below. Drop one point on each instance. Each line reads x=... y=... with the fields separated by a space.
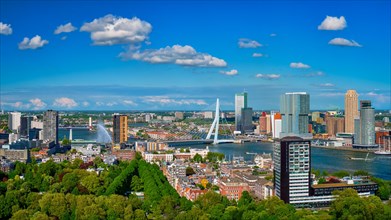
x=321 y=159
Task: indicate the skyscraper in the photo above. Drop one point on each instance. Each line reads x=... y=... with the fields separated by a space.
x=294 y=109
x=263 y=123
x=50 y=126
x=292 y=169
x=334 y=125
x=351 y=110
x=240 y=103
x=14 y=121
x=25 y=125
x=120 y=128
x=365 y=131
x=246 y=121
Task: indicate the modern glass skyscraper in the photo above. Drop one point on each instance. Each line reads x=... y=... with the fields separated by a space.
x=365 y=133
x=294 y=109
x=240 y=103
x=50 y=126
x=351 y=110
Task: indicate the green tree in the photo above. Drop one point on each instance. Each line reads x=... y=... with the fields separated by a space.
x=189 y=171
x=197 y=158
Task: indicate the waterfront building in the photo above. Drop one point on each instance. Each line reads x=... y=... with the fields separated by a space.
x=14 y=121
x=50 y=126
x=240 y=103
x=292 y=168
x=294 y=109
x=246 y=121
x=25 y=125
x=120 y=128
x=365 y=129
x=315 y=116
x=268 y=124
x=276 y=124
x=335 y=125
x=263 y=123
x=351 y=110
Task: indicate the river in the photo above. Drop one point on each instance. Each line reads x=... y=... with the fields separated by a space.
x=321 y=159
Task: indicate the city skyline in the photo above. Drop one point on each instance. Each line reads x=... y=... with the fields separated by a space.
x=165 y=56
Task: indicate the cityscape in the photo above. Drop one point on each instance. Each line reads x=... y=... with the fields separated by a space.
x=153 y=114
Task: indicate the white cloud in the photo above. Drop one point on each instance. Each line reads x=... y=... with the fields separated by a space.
x=299 y=65
x=273 y=35
x=111 y=103
x=34 y=43
x=257 y=55
x=37 y=103
x=5 y=29
x=327 y=85
x=64 y=37
x=248 y=43
x=129 y=102
x=65 y=102
x=332 y=94
x=164 y=100
x=110 y=30
x=381 y=98
x=268 y=76
x=66 y=28
x=177 y=54
x=344 y=42
x=333 y=23
x=230 y=73
x=85 y=103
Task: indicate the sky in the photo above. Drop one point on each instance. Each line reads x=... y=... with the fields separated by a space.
x=177 y=55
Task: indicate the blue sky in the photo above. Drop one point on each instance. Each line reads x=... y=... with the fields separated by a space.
x=154 y=55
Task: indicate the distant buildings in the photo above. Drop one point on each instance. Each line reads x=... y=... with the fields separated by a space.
x=292 y=169
x=276 y=124
x=179 y=115
x=263 y=123
x=50 y=126
x=240 y=103
x=25 y=125
x=335 y=125
x=364 y=135
x=351 y=110
x=14 y=121
x=246 y=121
x=294 y=109
x=120 y=128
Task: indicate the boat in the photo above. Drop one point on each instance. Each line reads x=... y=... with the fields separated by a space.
x=386 y=151
x=361 y=158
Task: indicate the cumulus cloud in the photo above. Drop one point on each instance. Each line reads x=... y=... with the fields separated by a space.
x=164 y=100
x=333 y=23
x=177 y=54
x=273 y=35
x=268 y=76
x=37 y=103
x=33 y=43
x=299 y=65
x=230 y=73
x=344 y=42
x=65 y=102
x=129 y=102
x=5 y=29
x=248 y=43
x=66 y=28
x=85 y=103
x=110 y=30
x=257 y=55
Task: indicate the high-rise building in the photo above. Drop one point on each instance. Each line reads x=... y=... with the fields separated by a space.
x=263 y=123
x=276 y=124
x=14 y=121
x=335 y=125
x=268 y=124
x=25 y=125
x=246 y=121
x=365 y=125
x=351 y=110
x=240 y=103
x=292 y=168
x=120 y=128
x=50 y=126
x=294 y=109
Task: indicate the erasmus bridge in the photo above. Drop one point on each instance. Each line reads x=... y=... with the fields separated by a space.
x=212 y=137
